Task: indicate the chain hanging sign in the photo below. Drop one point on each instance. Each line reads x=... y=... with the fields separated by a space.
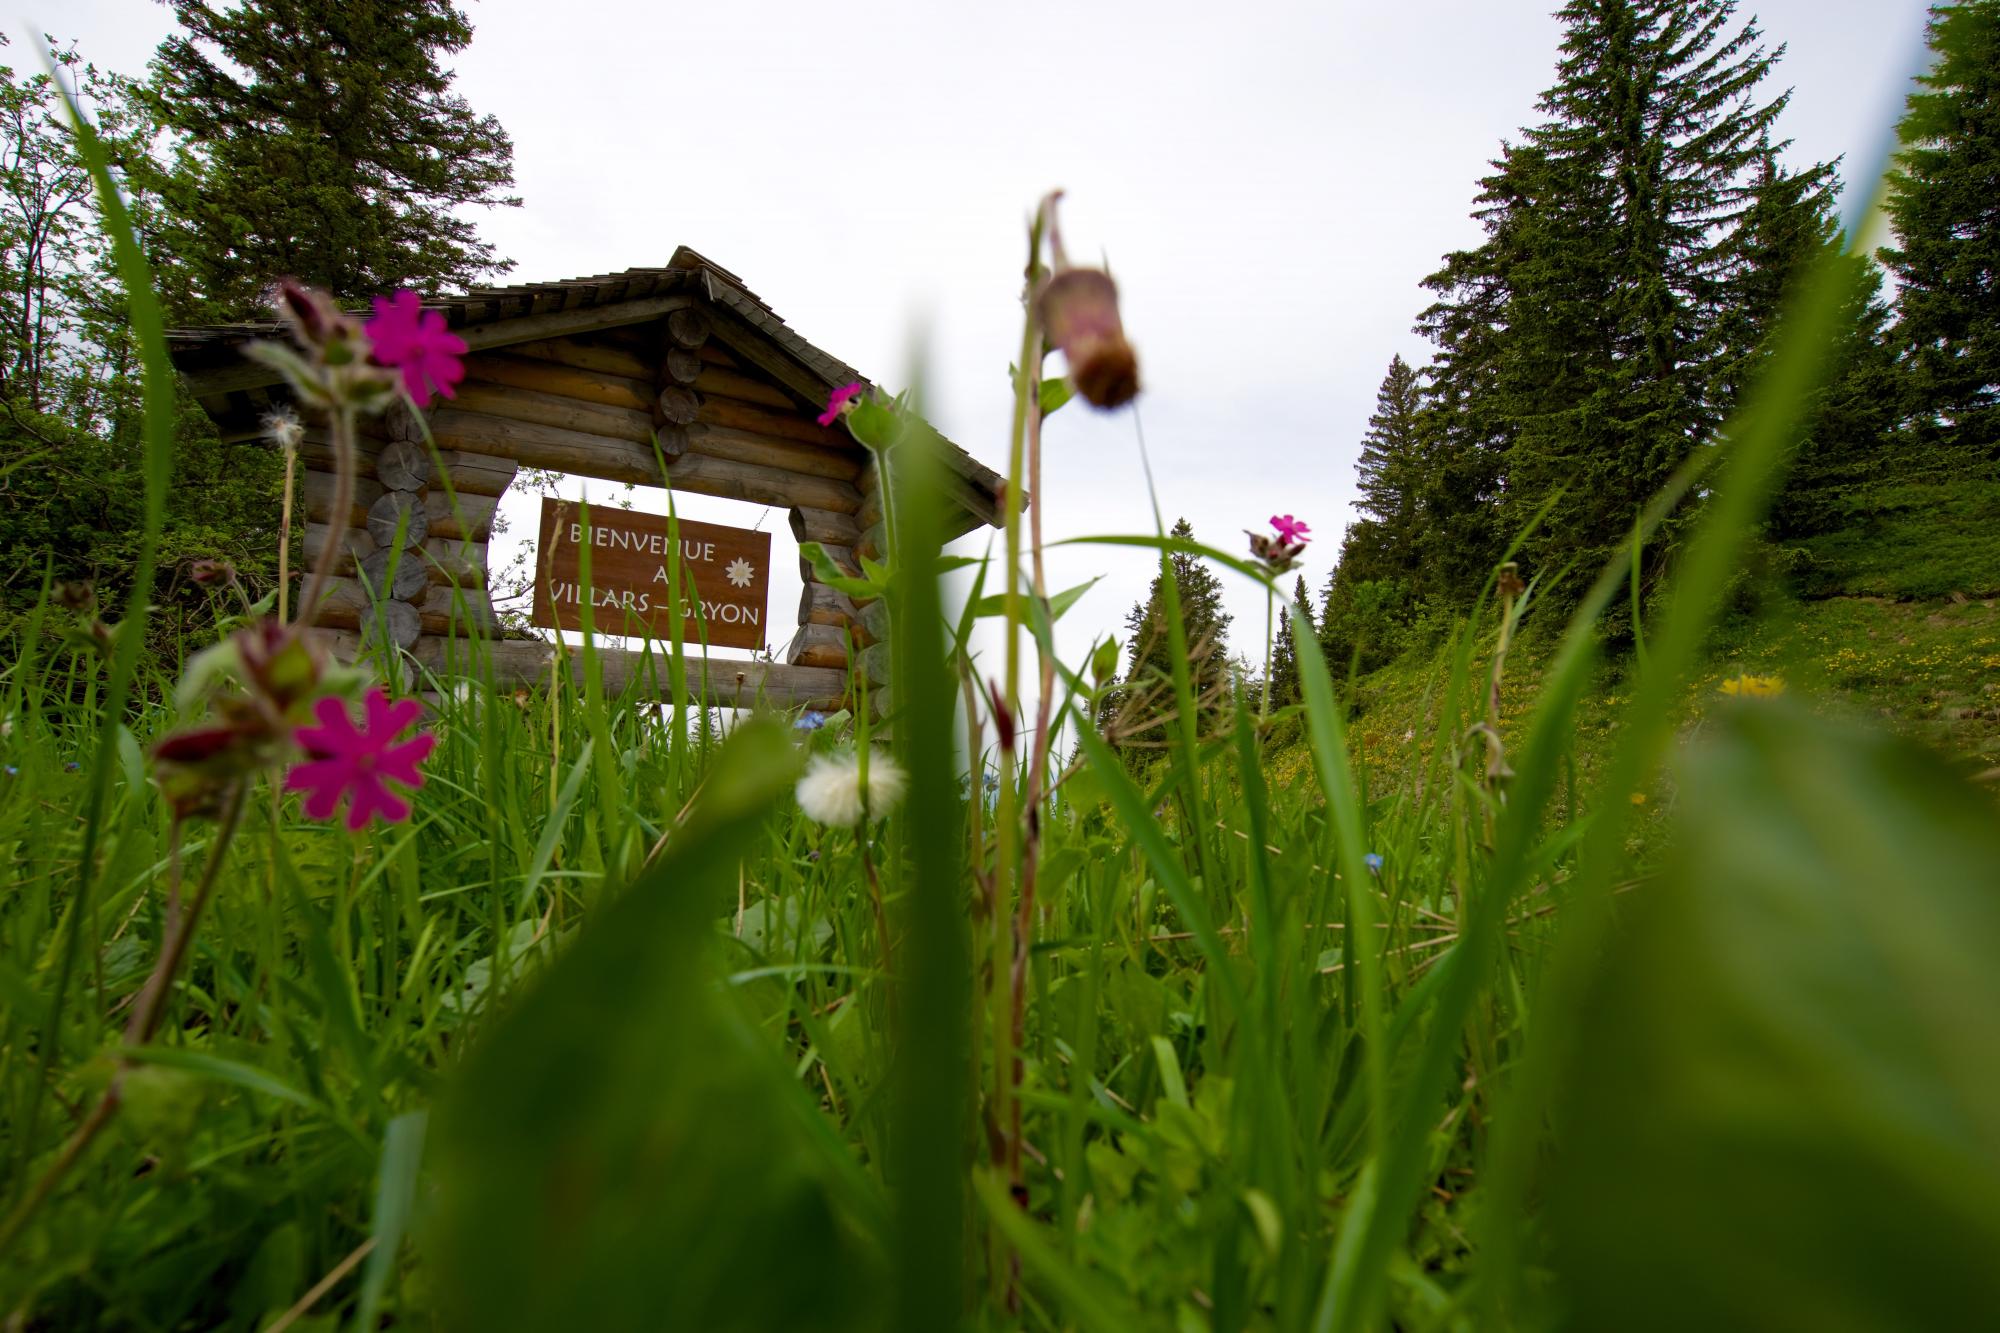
x=631 y=581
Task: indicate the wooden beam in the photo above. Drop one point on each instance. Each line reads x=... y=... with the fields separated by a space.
x=821 y=605
x=399 y=511
x=501 y=333
x=749 y=447
x=455 y=560
x=403 y=466
x=507 y=332
x=347 y=605
x=681 y=365
x=412 y=574
x=602 y=357
x=318 y=488
x=755 y=348
x=718 y=681
x=601 y=387
x=779 y=425
x=357 y=541
x=818 y=646
x=824 y=525
x=715 y=382
x=446 y=608
x=478 y=474
x=874 y=662
x=699 y=473
x=469 y=519
x=548 y=409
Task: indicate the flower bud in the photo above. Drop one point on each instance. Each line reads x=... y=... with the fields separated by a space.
x=75 y=594
x=1078 y=308
x=314 y=318
x=1003 y=716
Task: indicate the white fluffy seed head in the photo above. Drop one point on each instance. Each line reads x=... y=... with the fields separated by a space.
x=284 y=430
x=830 y=791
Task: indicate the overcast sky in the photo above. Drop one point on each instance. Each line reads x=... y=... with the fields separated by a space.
x=1270 y=182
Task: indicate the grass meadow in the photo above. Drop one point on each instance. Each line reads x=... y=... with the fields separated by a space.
x=1571 y=1012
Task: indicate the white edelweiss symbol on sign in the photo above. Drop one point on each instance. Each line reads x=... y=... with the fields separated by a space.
x=739 y=572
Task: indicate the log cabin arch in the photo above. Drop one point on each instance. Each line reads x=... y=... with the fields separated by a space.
x=580 y=376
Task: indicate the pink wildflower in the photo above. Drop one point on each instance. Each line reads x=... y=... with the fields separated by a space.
x=353 y=763
x=414 y=340
x=839 y=400
x=1290 y=530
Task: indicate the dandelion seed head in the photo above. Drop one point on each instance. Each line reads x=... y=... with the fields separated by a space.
x=831 y=791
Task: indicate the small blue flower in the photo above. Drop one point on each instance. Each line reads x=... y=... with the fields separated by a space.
x=810 y=720
x=13 y=772
x=992 y=780
x=1373 y=861
x=72 y=766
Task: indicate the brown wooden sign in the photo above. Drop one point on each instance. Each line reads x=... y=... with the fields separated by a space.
x=630 y=580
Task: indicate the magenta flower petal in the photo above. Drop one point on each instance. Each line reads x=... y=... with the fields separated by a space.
x=322 y=780
x=839 y=399
x=335 y=731
x=370 y=798
x=418 y=343
x=352 y=762
x=390 y=716
x=1291 y=531
x=399 y=762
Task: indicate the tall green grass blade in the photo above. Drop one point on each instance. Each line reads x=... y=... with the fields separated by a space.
x=157 y=395
x=932 y=1070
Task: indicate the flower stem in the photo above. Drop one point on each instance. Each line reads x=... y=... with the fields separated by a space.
x=285 y=536
x=341 y=419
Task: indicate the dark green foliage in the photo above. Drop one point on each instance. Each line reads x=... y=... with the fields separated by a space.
x=1945 y=203
x=1851 y=445
x=1365 y=605
x=1618 y=245
x=1391 y=471
x=1285 y=658
x=1146 y=693
x=320 y=139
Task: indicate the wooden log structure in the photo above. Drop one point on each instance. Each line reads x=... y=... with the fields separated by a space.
x=608 y=378
x=718 y=681
x=819 y=646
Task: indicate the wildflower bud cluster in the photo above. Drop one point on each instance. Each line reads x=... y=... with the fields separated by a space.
x=268 y=692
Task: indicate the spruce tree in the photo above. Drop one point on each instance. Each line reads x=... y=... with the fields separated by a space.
x=1389 y=472
x=1944 y=202
x=321 y=140
x=1848 y=445
x=1284 y=657
x=1147 y=690
x=1587 y=345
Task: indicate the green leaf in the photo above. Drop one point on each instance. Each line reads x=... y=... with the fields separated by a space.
x=626 y=1150
x=395 y=1196
x=833 y=577
x=1784 y=1112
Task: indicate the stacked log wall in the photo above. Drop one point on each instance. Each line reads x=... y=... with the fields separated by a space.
x=611 y=405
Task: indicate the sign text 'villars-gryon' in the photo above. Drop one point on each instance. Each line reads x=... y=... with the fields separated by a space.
x=630 y=585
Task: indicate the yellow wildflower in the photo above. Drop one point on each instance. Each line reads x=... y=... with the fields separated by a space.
x=1754 y=687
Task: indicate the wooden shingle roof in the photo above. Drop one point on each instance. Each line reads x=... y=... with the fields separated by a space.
x=212 y=361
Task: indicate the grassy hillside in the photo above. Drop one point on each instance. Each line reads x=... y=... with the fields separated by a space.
x=1928 y=669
